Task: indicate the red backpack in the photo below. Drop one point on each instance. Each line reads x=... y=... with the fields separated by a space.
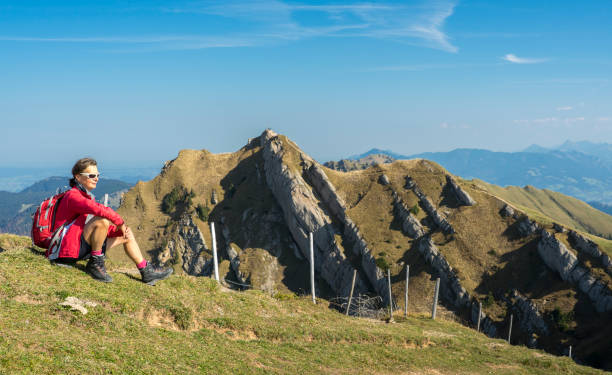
x=43 y=221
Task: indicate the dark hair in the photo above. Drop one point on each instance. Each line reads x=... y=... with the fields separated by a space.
x=79 y=167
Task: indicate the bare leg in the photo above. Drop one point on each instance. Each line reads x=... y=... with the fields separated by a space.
x=95 y=232
x=130 y=246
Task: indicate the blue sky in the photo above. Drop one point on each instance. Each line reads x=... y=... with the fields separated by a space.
x=131 y=83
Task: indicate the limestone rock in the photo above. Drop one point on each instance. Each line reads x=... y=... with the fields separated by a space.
x=384 y=180
x=213 y=197
x=410 y=224
x=506 y=211
x=451 y=288
x=583 y=244
x=558 y=258
x=527 y=227
x=356 y=244
x=303 y=214
x=76 y=304
x=462 y=196
x=556 y=255
x=429 y=207
x=529 y=318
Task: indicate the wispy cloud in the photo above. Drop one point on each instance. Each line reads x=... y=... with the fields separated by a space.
x=264 y=22
x=522 y=60
x=552 y=121
x=566 y=108
x=277 y=20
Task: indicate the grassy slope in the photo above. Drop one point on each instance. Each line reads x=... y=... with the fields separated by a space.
x=189 y=325
x=486 y=252
x=565 y=210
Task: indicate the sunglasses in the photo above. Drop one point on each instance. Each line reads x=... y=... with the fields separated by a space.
x=90 y=175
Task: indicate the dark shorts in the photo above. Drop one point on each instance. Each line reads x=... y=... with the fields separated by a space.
x=85 y=249
x=84 y=253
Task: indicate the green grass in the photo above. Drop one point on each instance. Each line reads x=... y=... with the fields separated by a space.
x=191 y=325
x=546 y=204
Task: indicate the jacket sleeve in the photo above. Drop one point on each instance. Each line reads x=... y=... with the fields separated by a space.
x=81 y=205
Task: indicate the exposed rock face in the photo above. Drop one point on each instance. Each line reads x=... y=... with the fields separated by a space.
x=529 y=318
x=560 y=259
x=188 y=244
x=410 y=224
x=453 y=291
x=558 y=228
x=303 y=215
x=507 y=211
x=527 y=227
x=384 y=180
x=355 y=240
x=583 y=244
x=486 y=324
x=429 y=207
x=463 y=198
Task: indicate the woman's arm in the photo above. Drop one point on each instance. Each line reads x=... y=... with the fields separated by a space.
x=82 y=205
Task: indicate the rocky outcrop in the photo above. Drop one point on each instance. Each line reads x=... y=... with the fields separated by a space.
x=429 y=207
x=384 y=180
x=463 y=198
x=410 y=224
x=189 y=246
x=487 y=326
x=585 y=245
x=527 y=227
x=528 y=316
x=303 y=215
x=558 y=258
x=558 y=228
x=453 y=291
x=507 y=211
x=353 y=238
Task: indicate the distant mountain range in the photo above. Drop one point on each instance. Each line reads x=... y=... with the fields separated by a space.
x=579 y=169
x=16 y=208
x=13 y=179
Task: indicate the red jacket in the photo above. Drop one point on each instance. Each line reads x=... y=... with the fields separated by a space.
x=74 y=208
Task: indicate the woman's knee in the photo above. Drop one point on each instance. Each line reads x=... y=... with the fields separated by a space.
x=102 y=223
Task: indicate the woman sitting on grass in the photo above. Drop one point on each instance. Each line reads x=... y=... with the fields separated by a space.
x=91 y=228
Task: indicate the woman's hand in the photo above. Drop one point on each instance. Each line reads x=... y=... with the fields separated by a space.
x=124 y=229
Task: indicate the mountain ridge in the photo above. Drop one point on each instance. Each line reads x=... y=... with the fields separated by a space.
x=265 y=199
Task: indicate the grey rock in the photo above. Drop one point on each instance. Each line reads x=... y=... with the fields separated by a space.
x=506 y=211
x=303 y=214
x=213 y=197
x=451 y=289
x=410 y=224
x=583 y=244
x=188 y=244
x=577 y=273
x=429 y=207
x=529 y=318
x=462 y=196
x=527 y=227
x=586 y=283
x=558 y=228
x=384 y=180
x=556 y=256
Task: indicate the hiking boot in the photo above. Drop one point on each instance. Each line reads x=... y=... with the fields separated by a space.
x=150 y=274
x=95 y=267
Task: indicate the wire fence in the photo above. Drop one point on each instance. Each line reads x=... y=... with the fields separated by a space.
x=363 y=306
